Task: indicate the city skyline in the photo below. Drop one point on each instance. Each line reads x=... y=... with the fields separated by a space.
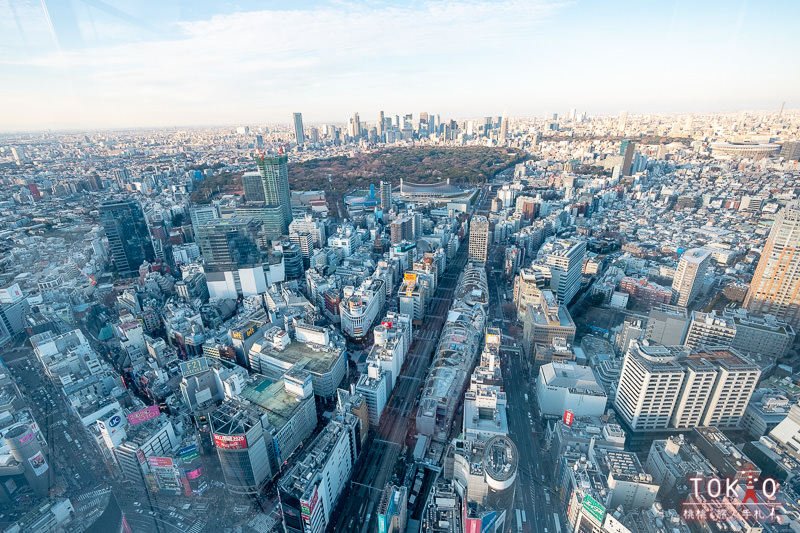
x=187 y=66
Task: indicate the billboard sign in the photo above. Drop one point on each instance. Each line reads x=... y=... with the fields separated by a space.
x=27 y=437
x=230 y=442
x=410 y=277
x=243 y=334
x=569 y=416
x=193 y=366
x=492 y=338
x=194 y=474
x=187 y=453
x=595 y=510
x=143 y=415
x=10 y=294
x=38 y=464
x=160 y=461
x=307 y=507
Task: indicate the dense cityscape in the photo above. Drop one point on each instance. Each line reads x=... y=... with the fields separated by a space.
x=438 y=266
x=597 y=338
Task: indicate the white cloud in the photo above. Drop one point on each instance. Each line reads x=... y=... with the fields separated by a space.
x=278 y=55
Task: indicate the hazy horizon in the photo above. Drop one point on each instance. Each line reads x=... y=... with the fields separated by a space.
x=83 y=66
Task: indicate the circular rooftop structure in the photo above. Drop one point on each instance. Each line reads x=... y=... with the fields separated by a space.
x=749 y=150
x=501 y=461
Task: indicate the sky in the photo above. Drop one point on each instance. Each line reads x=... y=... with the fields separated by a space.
x=80 y=64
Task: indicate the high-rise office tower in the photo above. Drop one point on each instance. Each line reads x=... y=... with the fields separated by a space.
x=504 y=126
x=775 y=288
x=565 y=260
x=381 y=124
x=228 y=244
x=689 y=275
x=623 y=121
x=627 y=150
x=128 y=235
x=356 y=126
x=275 y=177
x=386 y=196
x=253 y=187
x=297 y=119
x=478 y=239
x=402 y=229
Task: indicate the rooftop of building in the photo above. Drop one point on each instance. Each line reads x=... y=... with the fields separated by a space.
x=623 y=465
x=365 y=382
x=314 y=358
x=234 y=418
x=549 y=312
x=577 y=378
x=140 y=433
x=302 y=476
x=726 y=357
x=696 y=255
x=273 y=398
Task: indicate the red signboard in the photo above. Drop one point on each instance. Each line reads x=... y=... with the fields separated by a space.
x=230 y=442
x=387 y=325
x=568 y=417
x=307 y=507
x=187 y=489
x=148 y=413
x=159 y=461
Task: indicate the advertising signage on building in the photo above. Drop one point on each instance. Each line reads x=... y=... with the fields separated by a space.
x=307 y=507
x=38 y=464
x=159 y=461
x=230 y=442
x=194 y=474
x=193 y=366
x=148 y=413
x=244 y=334
x=593 y=507
x=188 y=453
x=568 y=418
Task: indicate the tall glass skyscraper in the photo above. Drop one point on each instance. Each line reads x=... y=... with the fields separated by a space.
x=228 y=244
x=275 y=175
x=128 y=235
x=299 y=136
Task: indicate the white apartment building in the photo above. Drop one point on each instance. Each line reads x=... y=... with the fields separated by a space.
x=565 y=260
x=663 y=387
x=478 y=239
x=689 y=275
x=374 y=386
x=709 y=329
x=649 y=385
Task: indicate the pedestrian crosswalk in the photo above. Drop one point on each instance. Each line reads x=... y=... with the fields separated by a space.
x=197 y=527
x=262 y=523
x=93 y=494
